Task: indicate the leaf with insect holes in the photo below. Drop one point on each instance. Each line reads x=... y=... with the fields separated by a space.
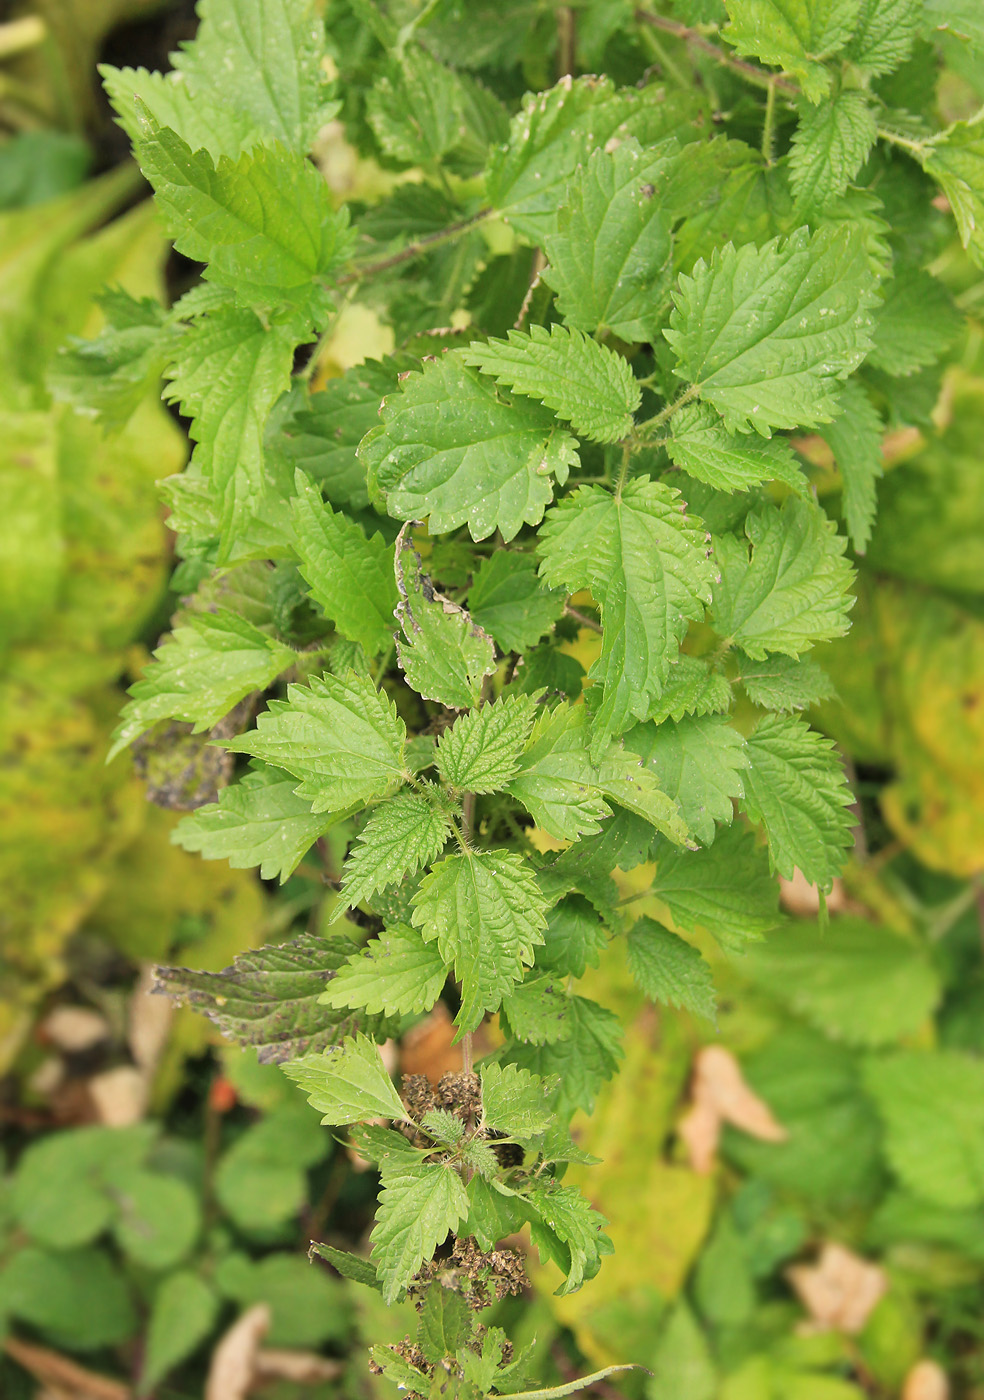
x=347 y=1084
x=257 y=821
x=764 y=334
x=268 y=998
x=646 y=563
x=670 y=970
x=419 y=1205
x=483 y=749
x=400 y=836
x=508 y=601
x=349 y=576
x=788 y=587
x=396 y=974
x=609 y=257
x=795 y=786
x=205 y=666
x=486 y=912
x=444 y=655
x=338 y=736
x=452 y=447
x=583 y=382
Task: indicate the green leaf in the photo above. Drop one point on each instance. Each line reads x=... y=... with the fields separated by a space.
x=765 y=333
x=534 y=1011
x=582 y=1060
x=795 y=36
x=450 y=446
x=725 y=889
x=268 y=998
x=556 y=1392
x=697 y=762
x=263 y=223
x=783 y=683
x=203 y=669
x=555 y=132
x=350 y=1266
x=402 y=835
x=682 y=1363
x=182 y=1316
x=76 y=1297
x=515 y=1102
x=609 y=258
x=625 y=779
x=308 y=1307
x=492 y=1215
x=584 y=382
x=961 y=18
x=932 y=1106
x=692 y=688
x=322 y=438
x=269 y=53
x=159 y=1218
x=200 y=121
x=445 y=656
x=415 y=111
x=229 y=371
x=350 y=577
x=257 y=821
x=575 y=936
x=397 y=974
x=885 y=32
x=338 y=735
x=445 y=1323
x=486 y=912
x=859 y=983
x=789 y=587
x=561 y=1216
x=479 y=1369
x=556 y=781
x=915 y=323
x=830 y=145
x=418 y=1207
x=955 y=160
x=59 y=1196
x=508 y=601
x=483 y=750
x=855 y=438
x=670 y=970
x=646 y=564
x=702 y=446
x=795 y=787
x=348 y=1083
x=112 y=374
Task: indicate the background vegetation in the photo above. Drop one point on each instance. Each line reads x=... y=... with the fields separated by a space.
x=159 y=1182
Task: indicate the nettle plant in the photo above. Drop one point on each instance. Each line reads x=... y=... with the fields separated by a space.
x=614 y=301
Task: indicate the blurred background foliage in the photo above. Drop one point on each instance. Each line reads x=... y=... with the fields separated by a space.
x=797 y=1201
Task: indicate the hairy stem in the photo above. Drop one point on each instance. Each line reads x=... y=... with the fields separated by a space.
x=749 y=71
x=582 y=618
x=417 y=248
x=768 y=129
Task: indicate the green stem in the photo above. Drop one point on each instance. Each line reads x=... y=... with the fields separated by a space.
x=660 y=56
x=641 y=434
x=582 y=618
x=913 y=148
x=409 y=29
x=417 y=248
x=693 y=37
x=768 y=130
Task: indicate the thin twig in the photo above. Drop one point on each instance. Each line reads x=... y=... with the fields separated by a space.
x=417 y=248
x=566 y=41
x=51 y=1367
x=582 y=618
x=749 y=71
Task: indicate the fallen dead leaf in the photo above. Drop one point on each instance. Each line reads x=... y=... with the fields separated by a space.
x=74 y=1028
x=119 y=1096
x=700 y=1131
x=799 y=897
x=61 y=1377
x=233 y=1367
x=926 y=1381
x=427 y=1048
x=301 y=1367
x=149 y=1022
x=840 y=1290
x=719 y=1095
